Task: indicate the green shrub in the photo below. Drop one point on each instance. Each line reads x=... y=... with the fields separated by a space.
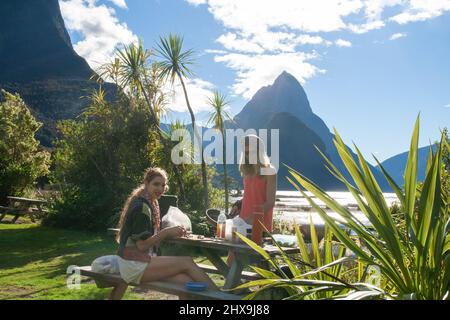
x=99 y=159
x=413 y=259
x=22 y=160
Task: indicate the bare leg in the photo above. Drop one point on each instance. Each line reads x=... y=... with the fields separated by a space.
x=180 y=279
x=166 y=267
x=118 y=292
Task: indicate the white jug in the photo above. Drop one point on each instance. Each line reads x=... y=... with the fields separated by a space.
x=239 y=225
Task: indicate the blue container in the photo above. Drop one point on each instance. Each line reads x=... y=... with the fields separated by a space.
x=196 y=286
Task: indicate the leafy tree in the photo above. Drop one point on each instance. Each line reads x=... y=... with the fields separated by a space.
x=139 y=81
x=22 y=160
x=99 y=159
x=175 y=65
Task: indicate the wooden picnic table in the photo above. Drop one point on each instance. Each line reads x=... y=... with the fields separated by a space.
x=18 y=207
x=213 y=249
x=243 y=255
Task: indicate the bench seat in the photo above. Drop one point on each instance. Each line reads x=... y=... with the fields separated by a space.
x=247 y=275
x=112 y=280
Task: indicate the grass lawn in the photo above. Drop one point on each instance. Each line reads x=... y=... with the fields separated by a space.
x=34 y=260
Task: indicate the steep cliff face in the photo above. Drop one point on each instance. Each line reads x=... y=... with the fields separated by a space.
x=34 y=43
x=37 y=61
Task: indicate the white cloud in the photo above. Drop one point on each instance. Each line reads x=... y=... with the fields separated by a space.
x=366 y=27
x=198 y=92
x=305 y=39
x=102 y=32
x=447 y=106
x=396 y=36
x=100 y=29
x=261 y=32
x=420 y=10
x=231 y=42
x=374 y=8
x=196 y=2
x=120 y=3
x=343 y=43
x=256 y=71
x=215 y=51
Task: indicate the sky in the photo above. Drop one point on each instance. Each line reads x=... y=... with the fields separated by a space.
x=369 y=67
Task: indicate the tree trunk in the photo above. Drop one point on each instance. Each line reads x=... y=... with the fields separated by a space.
x=225 y=171
x=198 y=137
x=165 y=145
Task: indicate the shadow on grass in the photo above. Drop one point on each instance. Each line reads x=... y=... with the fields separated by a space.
x=19 y=247
x=34 y=260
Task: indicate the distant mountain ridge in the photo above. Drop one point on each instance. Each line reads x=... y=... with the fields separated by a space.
x=396 y=165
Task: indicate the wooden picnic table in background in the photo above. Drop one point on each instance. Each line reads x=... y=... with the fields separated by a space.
x=34 y=208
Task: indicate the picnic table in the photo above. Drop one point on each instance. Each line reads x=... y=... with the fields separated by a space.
x=34 y=208
x=213 y=248
x=243 y=255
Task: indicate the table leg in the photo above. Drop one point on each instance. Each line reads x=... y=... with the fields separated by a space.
x=16 y=217
x=40 y=214
x=235 y=275
x=217 y=261
x=31 y=214
x=2 y=216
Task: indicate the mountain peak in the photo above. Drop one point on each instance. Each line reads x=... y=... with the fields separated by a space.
x=285 y=77
x=286 y=94
x=35 y=45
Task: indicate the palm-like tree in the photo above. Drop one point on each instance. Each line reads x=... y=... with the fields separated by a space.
x=175 y=64
x=134 y=74
x=218 y=116
x=137 y=77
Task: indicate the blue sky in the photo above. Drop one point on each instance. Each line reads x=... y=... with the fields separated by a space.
x=368 y=66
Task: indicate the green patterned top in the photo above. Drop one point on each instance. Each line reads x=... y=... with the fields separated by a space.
x=138 y=224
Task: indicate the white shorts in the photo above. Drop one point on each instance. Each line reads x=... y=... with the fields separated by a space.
x=132 y=271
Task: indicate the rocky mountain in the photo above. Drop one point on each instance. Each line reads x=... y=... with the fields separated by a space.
x=37 y=61
x=285 y=105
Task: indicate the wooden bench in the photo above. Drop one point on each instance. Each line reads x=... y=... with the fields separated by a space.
x=10 y=211
x=113 y=280
x=19 y=207
x=247 y=275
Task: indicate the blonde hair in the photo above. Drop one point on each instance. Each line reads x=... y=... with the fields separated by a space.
x=149 y=175
x=262 y=161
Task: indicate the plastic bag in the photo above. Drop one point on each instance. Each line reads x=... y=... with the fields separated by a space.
x=239 y=224
x=106 y=264
x=285 y=240
x=176 y=217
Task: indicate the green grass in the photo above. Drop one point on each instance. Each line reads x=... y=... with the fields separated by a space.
x=34 y=260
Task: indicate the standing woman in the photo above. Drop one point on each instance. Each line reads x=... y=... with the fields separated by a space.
x=140 y=236
x=260 y=181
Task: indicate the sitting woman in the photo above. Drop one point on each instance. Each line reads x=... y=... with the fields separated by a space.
x=140 y=237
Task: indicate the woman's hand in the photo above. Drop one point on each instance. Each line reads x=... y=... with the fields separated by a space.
x=173 y=232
